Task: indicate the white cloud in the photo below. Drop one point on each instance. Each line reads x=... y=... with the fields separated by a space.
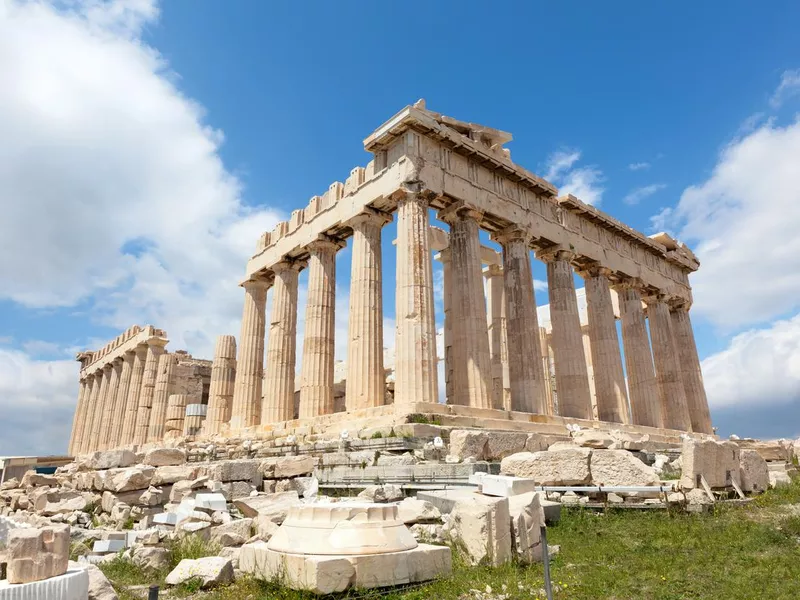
x=743 y=223
x=37 y=401
x=539 y=285
x=114 y=194
x=638 y=194
x=43 y=348
x=761 y=366
x=639 y=166
x=788 y=87
x=582 y=182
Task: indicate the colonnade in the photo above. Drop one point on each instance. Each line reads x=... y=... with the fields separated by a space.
x=664 y=387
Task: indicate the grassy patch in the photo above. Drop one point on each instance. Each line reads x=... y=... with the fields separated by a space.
x=192 y=547
x=736 y=552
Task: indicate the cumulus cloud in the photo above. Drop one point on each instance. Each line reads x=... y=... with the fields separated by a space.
x=638 y=194
x=115 y=196
x=760 y=366
x=788 y=88
x=743 y=223
x=583 y=182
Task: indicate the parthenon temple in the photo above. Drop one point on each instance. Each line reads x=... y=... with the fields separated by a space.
x=618 y=353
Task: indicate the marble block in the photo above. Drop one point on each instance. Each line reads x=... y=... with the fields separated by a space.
x=72 y=585
x=37 y=554
x=212 y=502
x=330 y=574
x=503 y=485
x=108 y=546
x=342 y=528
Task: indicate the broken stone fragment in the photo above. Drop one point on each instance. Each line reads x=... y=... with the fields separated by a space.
x=211 y=570
x=164 y=457
x=559 y=467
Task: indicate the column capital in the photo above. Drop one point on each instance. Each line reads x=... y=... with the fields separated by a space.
x=677 y=304
x=255 y=283
x=325 y=244
x=594 y=269
x=512 y=234
x=555 y=253
x=490 y=271
x=459 y=212
x=107 y=367
x=654 y=296
x=370 y=216
x=621 y=282
x=288 y=265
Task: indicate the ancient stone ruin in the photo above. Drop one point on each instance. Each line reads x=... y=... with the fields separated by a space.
x=498 y=357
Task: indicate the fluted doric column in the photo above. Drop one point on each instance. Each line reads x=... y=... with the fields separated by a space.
x=496 y=311
x=87 y=436
x=121 y=403
x=415 y=339
x=316 y=377
x=544 y=345
x=134 y=391
x=220 y=392
x=155 y=350
x=449 y=318
x=668 y=372
x=645 y=404
x=246 y=409
x=278 y=401
x=366 y=379
x=472 y=364
x=524 y=349
x=110 y=405
x=696 y=400
x=175 y=415
x=572 y=378
x=77 y=420
x=164 y=384
x=609 y=379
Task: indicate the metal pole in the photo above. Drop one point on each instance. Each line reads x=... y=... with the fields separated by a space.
x=152 y=593
x=548 y=585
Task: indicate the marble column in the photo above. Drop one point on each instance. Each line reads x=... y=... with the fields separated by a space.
x=449 y=319
x=366 y=378
x=544 y=345
x=524 y=348
x=644 y=399
x=163 y=389
x=415 y=336
x=155 y=350
x=121 y=402
x=495 y=301
x=609 y=378
x=220 y=393
x=316 y=377
x=668 y=371
x=587 y=352
x=472 y=364
x=134 y=391
x=110 y=413
x=175 y=415
x=77 y=420
x=696 y=400
x=246 y=409
x=572 y=379
x=278 y=400
x=92 y=410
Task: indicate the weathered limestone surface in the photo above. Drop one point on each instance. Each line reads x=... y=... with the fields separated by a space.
x=138 y=358
x=246 y=410
x=498 y=337
x=696 y=400
x=609 y=381
x=163 y=390
x=471 y=358
x=176 y=414
x=143 y=412
x=316 y=385
x=620 y=468
x=668 y=374
x=365 y=376
x=718 y=462
x=278 y=401
x=527 y=520
x=561 y=467
x=572 y=378
x=86 y=429
x=80 y=412
x=645 y=404
x=37 y=554
x=754 y=471
x=110 y=405
x=415 y=340
x=483 y=525
x=221 y=390
x=525 y=365
x=121 y=403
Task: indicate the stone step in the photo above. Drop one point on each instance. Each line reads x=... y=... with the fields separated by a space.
x=437 y=473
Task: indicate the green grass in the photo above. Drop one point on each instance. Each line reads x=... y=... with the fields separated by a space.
x=736 y=553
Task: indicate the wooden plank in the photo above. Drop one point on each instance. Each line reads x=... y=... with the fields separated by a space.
x=737 y=488
x=707 y=488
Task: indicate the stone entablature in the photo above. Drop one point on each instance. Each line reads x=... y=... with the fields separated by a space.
x=93 y=361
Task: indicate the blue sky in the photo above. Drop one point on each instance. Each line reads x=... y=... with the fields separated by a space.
x=144 y=146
